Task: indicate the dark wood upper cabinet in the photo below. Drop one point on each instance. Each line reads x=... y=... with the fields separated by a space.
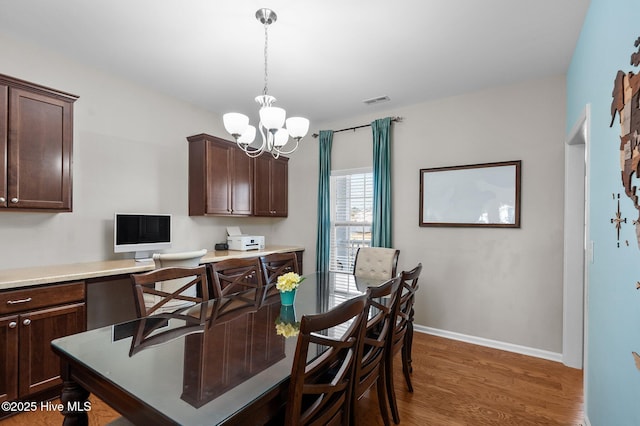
x=220 y=178
x=36 y=144
x=224 y=181
x=271 y=186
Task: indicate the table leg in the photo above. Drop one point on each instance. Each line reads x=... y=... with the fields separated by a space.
x=75 y=402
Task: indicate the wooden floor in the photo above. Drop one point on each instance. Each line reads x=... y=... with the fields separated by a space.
x=454 y=383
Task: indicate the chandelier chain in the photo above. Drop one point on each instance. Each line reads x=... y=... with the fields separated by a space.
x=266 y=44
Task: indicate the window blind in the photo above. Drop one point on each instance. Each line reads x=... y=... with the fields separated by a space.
x=351 y=214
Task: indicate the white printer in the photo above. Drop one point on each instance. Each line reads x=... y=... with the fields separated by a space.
x=236 y=240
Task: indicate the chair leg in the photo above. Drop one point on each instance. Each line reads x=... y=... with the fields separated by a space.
x=409 y=340
x=406 y=365
x=382 y=395
x=407 y=368
x=391 y=393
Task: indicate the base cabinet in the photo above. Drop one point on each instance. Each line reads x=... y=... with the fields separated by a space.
x=9 y=358
x=28 y=366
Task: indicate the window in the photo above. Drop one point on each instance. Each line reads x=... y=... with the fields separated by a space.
x=351 y=213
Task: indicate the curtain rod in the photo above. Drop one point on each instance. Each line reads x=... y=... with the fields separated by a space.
x=396 y=119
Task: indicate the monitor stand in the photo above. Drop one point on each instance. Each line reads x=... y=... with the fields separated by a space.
x=143 y=257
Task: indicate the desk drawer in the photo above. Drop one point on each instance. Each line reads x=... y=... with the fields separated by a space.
x=41 y=297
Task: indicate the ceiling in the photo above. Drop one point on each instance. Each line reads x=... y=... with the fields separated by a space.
x=325 y=56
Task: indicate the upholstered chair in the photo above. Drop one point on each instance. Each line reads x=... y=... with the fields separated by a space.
x=376 y=263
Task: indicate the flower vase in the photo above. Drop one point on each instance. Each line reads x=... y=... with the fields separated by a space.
x=287 y=297
x=288 y=314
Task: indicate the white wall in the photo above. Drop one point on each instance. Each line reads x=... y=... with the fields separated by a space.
x=500 y=284
x=130 y=155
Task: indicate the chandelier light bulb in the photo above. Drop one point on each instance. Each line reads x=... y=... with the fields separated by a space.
x=281 y=137
x=272 y=118
x=235 y=123
x=248 y=135
x=297 y=127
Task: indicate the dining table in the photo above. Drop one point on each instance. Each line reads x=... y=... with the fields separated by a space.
x=221 y=362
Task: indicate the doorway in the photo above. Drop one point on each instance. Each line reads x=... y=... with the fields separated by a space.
x=577 y=250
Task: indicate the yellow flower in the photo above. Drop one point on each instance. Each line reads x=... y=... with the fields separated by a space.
x=288 y=281
x=287 y=329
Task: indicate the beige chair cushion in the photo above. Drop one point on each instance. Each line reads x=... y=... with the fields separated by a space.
x=375 y=262
x=165 y=260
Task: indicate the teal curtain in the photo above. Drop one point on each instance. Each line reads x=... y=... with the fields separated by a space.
x=323 y=243
x=381 y=220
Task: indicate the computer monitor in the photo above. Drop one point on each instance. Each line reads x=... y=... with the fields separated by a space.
x=142 y=234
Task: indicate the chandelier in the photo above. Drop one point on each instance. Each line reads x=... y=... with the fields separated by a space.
x=272 y=119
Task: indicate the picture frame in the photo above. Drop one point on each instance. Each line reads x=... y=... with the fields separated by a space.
x=478 y=195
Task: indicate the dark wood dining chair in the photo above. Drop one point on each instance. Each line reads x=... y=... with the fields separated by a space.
x=382 y=304
x=274 y=265
x=376 y=263
x=320 y=391
x=151 y=297
x=239 y=280
x=402 y=335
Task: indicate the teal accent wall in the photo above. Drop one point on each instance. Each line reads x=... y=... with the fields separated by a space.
x=613 y=314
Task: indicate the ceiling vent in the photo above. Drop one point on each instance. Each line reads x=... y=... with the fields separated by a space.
x=377 y=100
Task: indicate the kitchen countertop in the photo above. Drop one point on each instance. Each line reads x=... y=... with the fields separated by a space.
x=37 y=275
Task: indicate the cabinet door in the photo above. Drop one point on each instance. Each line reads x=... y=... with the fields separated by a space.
x=4 y=105
x=39 y=366
x=261 y=186
x=8 y=358
x=242 y=178
x=218 y=180
x=279 y=199
x=39 y=151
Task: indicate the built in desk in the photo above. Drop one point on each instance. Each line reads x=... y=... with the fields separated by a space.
x=42 y=303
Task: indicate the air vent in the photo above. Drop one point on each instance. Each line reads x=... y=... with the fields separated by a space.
x=377 y=100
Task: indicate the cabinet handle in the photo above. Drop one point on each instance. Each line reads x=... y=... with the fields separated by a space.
x=2 y=199
x=17 y=302
x=13 y=324
x=14 y=200
x=27 y=321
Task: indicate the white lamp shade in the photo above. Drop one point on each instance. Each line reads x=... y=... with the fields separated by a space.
x=272 y=117
x=235 y=123
x=248 y=136
x=281 y=137
x=297 y=126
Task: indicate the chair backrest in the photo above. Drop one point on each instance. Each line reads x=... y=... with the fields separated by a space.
x=167 y=260
x=404 y=315
x=150 y=299
x=382 y=306
x=376 y=263
x=232 y=276
x=274 y=265
x=320 y=391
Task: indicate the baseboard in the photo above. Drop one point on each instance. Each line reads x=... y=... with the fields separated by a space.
x=509 y=347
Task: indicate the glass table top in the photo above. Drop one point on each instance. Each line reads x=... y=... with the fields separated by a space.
x=205 y=363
